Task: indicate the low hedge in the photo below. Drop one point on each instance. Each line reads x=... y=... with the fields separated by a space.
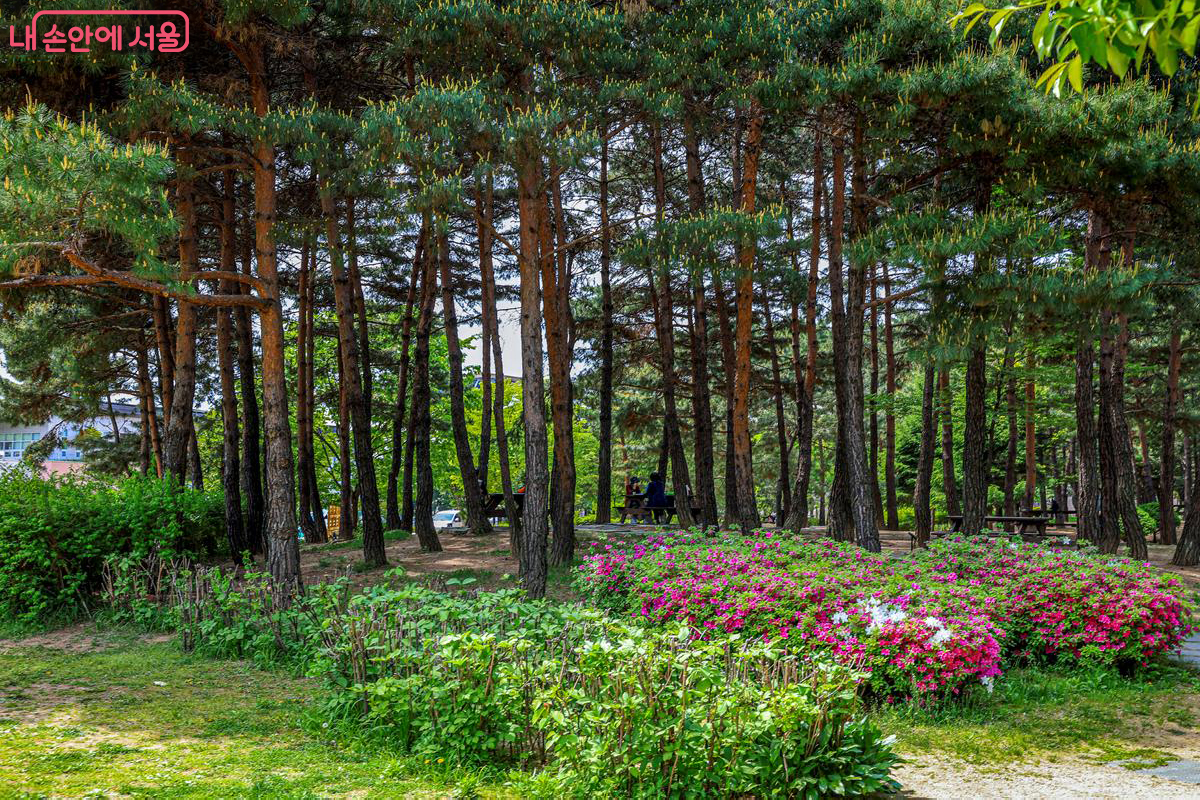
x=56 y=534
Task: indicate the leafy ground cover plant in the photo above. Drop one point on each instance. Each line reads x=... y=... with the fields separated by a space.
x=604 y=706
x=933 y=624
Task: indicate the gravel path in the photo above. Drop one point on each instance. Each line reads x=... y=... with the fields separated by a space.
x=948 y=779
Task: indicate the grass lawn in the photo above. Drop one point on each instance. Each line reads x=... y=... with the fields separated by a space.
x=1048 y=713
x=141 y=719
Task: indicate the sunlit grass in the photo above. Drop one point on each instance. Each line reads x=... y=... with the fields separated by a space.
x=144 y=720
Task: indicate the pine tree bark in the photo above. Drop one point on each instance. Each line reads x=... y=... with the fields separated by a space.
x=702 y=421
x=743 y=462
x=1087 y=459
x=310 y=384
x=975 y=461
x=945 y=411
x=852 y=502
x=183 y=383
x=1166 y=475
x=873 y=431
x=889 y=419
x=420 y=422
x=974 y=457
x=1010 y=461
x=283 y=550
x=1030 y=432
x=1127 y=473
x=556 y=308
x=533 y=521
x=784 y=493
x=235 y=533
x=394 y=518
x=798 y=514
x=484 y=215
x=149 y=416
x=252 y=472
x=355 y=399
x=348 y=519
x=604 y=467
x=477 y=524
x=922 y=510
x=360 y=306
x=305 y=451
x=664 y=323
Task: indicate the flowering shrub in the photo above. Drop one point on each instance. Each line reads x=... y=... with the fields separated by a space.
x=1075 y=606
x=933 y=623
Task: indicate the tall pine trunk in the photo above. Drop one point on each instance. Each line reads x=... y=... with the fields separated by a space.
x=889 y=420
x=485 y=213
x=352 y=385
x=853 y=501
x=283 y=551
x=476 y=522
x=1166 y=475
x=235 y=532
x=420 y=422
x=975 y=461
x=604 y=458
x=394 y=518
x=798 y=514
x=183 y=385
x=556 y=307
x=743 y=463
x=534 y=533
x=664 y=323
x=922 y=510
x=702 y=421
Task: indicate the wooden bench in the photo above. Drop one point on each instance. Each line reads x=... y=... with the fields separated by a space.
x=633 y=508
x=1038 y=524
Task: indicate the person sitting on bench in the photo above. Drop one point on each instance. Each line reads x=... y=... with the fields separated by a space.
x=656 y=497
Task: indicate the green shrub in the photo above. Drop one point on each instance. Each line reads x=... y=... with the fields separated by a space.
x=613 y=709
x=56 y=534
x=1148 y=516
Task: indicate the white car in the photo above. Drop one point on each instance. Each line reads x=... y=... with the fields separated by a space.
x=448 y=519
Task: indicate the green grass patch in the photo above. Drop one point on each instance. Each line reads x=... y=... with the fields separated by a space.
x=145 y=720
x=1037 y=713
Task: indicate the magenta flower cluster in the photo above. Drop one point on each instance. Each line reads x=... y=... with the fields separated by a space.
x=1068 y=605
x=931 y=624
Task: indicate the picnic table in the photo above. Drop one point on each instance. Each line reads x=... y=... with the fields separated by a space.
x=1038 y=524
x=493 y=506
x=1031 y=528
x=636 y=508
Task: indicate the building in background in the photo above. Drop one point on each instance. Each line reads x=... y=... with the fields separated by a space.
x=67 y=457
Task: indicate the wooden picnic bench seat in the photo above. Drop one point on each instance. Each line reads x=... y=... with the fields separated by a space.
x=633 y=508
x=1038 y=524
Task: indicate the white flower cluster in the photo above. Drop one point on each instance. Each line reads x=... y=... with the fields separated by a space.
x=940 y=632
x=882 y=613
x=989 y=682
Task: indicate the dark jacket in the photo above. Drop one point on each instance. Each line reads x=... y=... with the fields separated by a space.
x=656 y=495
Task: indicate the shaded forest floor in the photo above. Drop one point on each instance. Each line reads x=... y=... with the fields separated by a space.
x=487 y=561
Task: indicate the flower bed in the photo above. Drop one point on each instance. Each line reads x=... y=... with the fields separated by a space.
x=934 y=623
x=1068 y=605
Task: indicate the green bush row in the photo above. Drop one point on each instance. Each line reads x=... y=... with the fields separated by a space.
x=605 y=708
x=56 y=534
